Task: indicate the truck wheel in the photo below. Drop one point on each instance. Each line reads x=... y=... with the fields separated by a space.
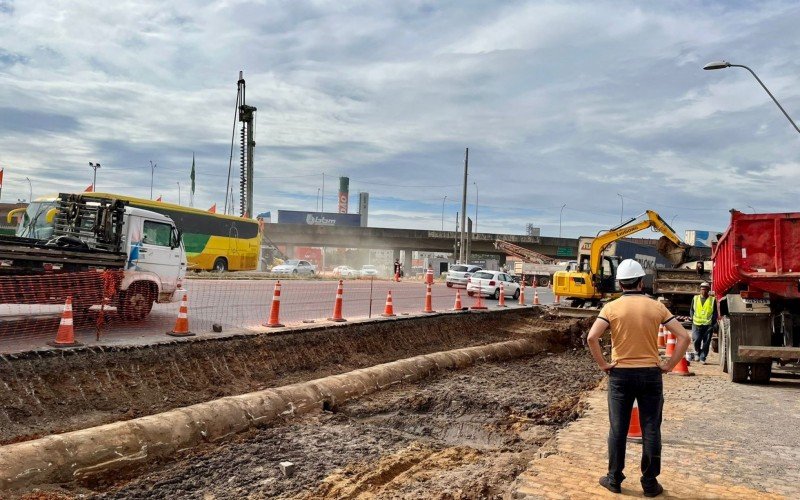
x=737 y=371
x=723 y=351
x=471 y=294
x=137 y=301
x=715 y=345
x=761 y=372
x=449 y=285
x=543 y=282
x=220 y=265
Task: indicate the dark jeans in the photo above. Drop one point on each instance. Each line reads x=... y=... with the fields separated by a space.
x=645 y=386
x=701 y=335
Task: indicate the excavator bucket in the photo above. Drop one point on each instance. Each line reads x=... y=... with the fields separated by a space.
x=677 y=254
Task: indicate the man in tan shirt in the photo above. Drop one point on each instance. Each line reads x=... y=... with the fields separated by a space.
x=635 y=373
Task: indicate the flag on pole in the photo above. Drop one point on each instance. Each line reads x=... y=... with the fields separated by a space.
x=191 y=176
x=89 y=189
x=159 y=198
x=213 y=208
x=1 y=181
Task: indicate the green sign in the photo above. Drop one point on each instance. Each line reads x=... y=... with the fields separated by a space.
x=565 y=252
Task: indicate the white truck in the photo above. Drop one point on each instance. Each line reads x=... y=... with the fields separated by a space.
x=141 y=251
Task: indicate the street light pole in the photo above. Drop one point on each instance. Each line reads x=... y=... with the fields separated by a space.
x=476 y=207
x=724 y=64
x=443 y=199
x=179 y=192
x=559 y=219
x=621 y=207
x=30 y=190
x=748 y=206
x=152 y=174
x=672 y=221
x=94 y=167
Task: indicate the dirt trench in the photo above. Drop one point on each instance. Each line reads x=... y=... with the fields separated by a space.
x=66 y=390
x=460 y=435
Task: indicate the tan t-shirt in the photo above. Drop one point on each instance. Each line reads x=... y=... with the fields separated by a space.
x=634 y=320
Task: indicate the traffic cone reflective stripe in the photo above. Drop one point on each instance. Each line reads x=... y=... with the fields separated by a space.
x=65 y=336
x=337 y=306
x=635 y=427
x=682 y=369
x=458 y=306
x=501 y=301
x=428 y=300
x=535 y=297
x=275 y=308
x=662 y=338
x=522 y=295
x=671 y=341
x=388 y=311
x=182 y=323
x=429 y=277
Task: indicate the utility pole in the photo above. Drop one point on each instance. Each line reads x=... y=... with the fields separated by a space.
x=152 y=174
x=322 y=204
x=94 y=167
x=179 y=192
x=463 y=208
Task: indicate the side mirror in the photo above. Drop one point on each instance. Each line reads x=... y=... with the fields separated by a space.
x=14 y=213
x=51 y=214
x=176 y=238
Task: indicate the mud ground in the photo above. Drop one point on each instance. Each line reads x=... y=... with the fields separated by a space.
x=463 y=434
x=57 y=392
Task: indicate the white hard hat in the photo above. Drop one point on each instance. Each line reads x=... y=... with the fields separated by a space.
x=705 y=285
x=629 y=269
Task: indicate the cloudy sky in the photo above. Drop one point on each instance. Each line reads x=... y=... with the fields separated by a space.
x=594 y=105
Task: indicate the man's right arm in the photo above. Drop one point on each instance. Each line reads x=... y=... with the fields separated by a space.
x=682 y=343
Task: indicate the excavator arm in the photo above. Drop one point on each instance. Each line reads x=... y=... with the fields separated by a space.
x=672 y=248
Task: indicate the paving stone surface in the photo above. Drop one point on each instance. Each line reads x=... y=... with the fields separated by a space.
x=720 y=440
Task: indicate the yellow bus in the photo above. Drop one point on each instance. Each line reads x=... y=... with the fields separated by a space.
x=212 y=241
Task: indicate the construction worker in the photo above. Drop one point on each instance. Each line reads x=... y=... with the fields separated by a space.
x=635 y=373
x=704 y=318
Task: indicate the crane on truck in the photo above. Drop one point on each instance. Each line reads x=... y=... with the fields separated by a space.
x=534 y=267
x=593 y=281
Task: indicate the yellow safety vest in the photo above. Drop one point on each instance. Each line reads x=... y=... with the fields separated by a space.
x=703 y=311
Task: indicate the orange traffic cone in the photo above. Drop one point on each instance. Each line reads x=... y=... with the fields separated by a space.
x=388 y=311
x=458 y=306
x=501 y=301
x=535 y=297
x=635 y=427
x=478 y=305
x=682 y=369
x=557 y=299
x=671 y=341
x=662 y=338
x=397 y=277
x=182 y=323
x=65 y=336
x=429 y=276
x=275 y=309
x=428 y=300
x=337 y=306
x=522 y=294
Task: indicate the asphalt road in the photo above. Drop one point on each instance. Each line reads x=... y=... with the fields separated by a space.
x=245 y=304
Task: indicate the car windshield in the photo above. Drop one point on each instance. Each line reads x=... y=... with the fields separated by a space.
x=291 y=262
x=484 y=275
x=459 y=269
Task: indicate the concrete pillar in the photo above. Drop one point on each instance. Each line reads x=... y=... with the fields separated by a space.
x=407 y=261
x=501 y=260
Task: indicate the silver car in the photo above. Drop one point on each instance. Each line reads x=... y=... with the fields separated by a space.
x=368 y=270
x=294 y=267
x=458 y=274
x=487 y=284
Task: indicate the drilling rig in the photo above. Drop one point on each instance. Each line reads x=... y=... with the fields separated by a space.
x=245 y=115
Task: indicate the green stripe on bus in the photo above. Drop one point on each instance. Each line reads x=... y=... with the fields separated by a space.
x=195 y=243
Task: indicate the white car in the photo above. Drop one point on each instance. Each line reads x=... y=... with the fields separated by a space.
x=487 y=284
x=295 y=267
x=345 y=272
x=368 y=270
x=458 y=274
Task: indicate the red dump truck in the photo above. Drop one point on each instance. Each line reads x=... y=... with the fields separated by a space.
x=756 y=280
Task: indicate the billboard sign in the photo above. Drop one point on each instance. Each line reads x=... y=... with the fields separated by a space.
x=318 y=218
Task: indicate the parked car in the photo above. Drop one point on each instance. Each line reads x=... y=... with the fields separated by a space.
x=345 y=272
x=487 y=284
x=369 y=271
x=458 y=274
x=294 y=267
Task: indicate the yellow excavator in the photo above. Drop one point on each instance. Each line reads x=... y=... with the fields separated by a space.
x=593 y=281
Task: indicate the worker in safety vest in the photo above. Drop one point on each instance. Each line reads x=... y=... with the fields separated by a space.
x=704 y=318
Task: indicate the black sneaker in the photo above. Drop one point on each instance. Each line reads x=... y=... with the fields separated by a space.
x=606 y=483
x=654 y=491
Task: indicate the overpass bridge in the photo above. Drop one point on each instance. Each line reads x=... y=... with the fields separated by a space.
x=409 y=240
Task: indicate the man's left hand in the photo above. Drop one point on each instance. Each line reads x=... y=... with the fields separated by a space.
x=607 y=367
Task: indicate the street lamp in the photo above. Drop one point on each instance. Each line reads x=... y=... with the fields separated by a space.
x=751 y=208
x=152 y=173
x=94 y=166
x=559 y=219
x=672 y=221
x=622 y=206
x=726 y=64
x=30 y=190
x=443 y=199
x=179 y=192
x=476 y=206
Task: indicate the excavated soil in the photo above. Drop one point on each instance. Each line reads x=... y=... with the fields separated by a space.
x=58 y=391
x=463 y=434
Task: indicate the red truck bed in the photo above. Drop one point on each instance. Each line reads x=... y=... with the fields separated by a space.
x=760 y=251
